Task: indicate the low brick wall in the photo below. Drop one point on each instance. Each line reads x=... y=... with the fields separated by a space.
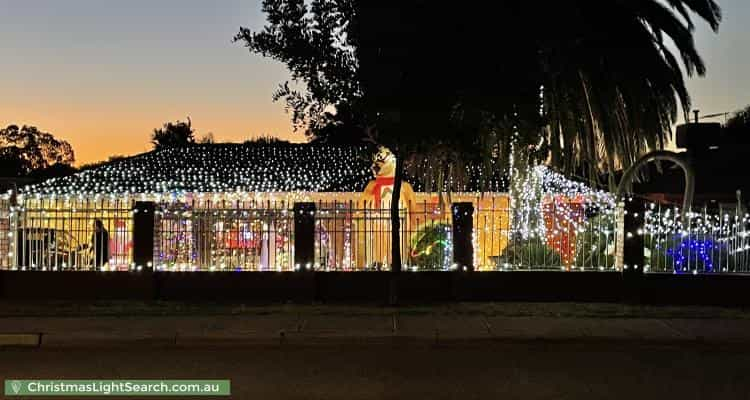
x=48 y=285
x=374 y=287
x=733 y=290
x=252 y=286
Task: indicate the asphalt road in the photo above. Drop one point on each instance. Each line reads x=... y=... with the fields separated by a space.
x=502 y=371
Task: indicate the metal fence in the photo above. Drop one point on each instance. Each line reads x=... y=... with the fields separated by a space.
x=68 y=234
x=568 y=234
x=6 y=234
x=355 y=236
x=96 y=233
x=237 y=236
x=701 y=242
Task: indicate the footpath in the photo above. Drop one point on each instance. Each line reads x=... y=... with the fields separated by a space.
x=42 y=325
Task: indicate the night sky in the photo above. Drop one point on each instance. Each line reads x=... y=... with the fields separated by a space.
x=102 y=74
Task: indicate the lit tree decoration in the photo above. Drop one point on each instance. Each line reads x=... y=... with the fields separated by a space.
x=526 y=202
x=549 y=208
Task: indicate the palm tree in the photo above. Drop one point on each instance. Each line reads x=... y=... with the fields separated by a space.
x=579 y=84
x=611 y=86
x=468 y=76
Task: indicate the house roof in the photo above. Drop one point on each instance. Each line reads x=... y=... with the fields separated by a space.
x=223 y=168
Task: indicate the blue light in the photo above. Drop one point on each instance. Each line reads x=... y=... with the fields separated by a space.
x=692 y=251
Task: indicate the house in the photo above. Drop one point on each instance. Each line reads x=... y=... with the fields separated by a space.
x=230 y=207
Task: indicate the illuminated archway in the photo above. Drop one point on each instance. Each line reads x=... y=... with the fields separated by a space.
x=677 y=158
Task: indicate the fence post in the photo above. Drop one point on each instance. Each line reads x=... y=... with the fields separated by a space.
x=633 y=253
x=14 y=254
x=304 y=235
x=143 y=234
x=619 y=235
x=633 y=246
x=463 y=229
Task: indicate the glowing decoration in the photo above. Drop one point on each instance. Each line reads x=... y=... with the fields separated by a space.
x=221 y=168
x=378 y=192
x=693 y=252
x=431 y=248
x=120 y=245
x=324 y=249
x=228 y=168
x=552 y=209
x=207 y=195
x=562 y=218
x=704 y=242
x=376 y=199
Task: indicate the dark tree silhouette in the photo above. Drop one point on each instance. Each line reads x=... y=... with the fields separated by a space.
x=173 y=134
x=577 y=83
x=344 y=126
x=611 y=89
x=13 y=162
x=317 y=45
x=265 y=140
x=26 y=149
x=53 y=171
x=207 y=139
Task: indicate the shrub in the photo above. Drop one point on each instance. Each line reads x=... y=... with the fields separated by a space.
x=531 y=253
x=429 y=247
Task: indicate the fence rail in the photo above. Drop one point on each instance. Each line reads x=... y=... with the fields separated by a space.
x=353 y=236
x=701 y=242
x=97 y=233
x=68 y=234
x=571 y=234
x=239 y=236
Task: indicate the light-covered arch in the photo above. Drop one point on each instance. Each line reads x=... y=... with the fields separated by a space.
x=677 y=158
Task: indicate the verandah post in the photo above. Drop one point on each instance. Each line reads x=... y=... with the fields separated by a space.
x=143 y=234
x=304 y=235
x=463 y=230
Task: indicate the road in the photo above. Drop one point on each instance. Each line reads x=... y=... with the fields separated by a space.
x=542 y=370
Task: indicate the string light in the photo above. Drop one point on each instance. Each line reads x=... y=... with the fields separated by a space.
x=703 y=242
x=553 y=209
x=221 y=168
x=204 y=177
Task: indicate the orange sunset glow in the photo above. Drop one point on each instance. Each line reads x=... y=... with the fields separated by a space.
x=97 y=131
x=102 y=74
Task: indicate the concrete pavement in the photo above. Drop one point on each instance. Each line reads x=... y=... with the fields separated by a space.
x=325 y=352
x=385 y=328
